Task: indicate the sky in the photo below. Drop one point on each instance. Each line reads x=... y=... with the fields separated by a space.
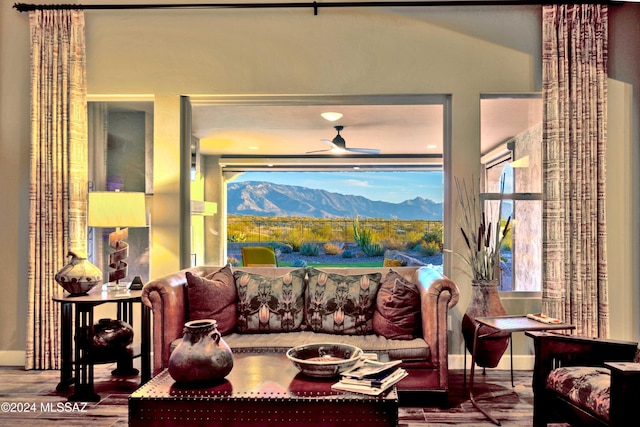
x=394 y=187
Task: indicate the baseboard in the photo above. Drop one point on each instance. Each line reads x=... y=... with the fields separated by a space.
x=520 y=362
x=12 y=357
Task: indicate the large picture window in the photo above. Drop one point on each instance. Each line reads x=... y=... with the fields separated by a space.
x=313 y=217
x=387 y=146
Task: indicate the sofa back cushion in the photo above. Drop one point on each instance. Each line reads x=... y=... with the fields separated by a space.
x=397 y=313
x=213 y=296
x=270 y=304
x=341 y=304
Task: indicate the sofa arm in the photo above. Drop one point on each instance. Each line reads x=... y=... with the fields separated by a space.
x=437 y=295
x=167 y=299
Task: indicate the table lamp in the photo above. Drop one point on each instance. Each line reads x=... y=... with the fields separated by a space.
x=119 y=210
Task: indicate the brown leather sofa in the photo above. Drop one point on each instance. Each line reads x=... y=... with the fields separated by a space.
x=425 y=357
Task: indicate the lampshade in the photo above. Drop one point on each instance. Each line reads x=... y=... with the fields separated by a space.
x=116 y=209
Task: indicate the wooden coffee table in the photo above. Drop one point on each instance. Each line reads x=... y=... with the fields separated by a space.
x=261 y=390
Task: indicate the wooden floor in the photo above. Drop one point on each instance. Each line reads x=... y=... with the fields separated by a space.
x=34 y=392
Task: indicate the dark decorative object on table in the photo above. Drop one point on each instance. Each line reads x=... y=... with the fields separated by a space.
x=79 y=276
x=136 y=284
x=111 y=341
x=111 y=335
x=202 y=355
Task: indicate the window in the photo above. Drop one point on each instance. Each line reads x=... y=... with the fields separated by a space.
x=517 y=161
x=309 y=217
x=239 y=136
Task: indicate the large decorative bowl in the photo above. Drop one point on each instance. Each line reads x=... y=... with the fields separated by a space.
x=324 y=359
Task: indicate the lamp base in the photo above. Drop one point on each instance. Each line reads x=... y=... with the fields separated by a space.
x=119 y=254
x=115 y=286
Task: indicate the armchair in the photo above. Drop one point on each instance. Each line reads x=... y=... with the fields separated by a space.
x=258 y=256
x=584 y=381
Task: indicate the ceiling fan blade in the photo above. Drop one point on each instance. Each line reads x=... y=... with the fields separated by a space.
x=339 y=145
x=328 y=142
x=363 y=150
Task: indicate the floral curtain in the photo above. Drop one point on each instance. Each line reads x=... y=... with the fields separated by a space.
x=574 y=61
x=58 y=184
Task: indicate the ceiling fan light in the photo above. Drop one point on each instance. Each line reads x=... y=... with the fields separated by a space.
x=331 y=116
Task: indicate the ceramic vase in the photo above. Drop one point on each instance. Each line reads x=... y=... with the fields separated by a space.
x=202 y=355
x=485 y=302
x=79 y=276
x=111 y=335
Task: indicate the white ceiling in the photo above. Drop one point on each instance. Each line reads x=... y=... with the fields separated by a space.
x=296 y=130
x=231 y=129
x=263 y=130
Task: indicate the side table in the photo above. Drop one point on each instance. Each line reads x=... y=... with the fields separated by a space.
x=77 y=361
x=508 y=324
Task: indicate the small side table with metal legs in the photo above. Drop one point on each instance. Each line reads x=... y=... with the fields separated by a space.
x=508 y=324
x=77 y=361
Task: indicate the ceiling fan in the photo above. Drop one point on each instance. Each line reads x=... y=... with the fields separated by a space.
x=339 y=146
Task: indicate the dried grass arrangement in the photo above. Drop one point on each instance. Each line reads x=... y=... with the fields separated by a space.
x=483 y=236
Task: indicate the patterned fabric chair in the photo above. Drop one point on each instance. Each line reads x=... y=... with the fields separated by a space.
x=584 y=381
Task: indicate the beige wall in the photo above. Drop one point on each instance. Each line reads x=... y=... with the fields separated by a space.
x=14 y=179
x=267 y=52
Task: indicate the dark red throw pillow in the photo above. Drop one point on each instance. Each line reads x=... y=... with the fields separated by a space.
x=214 y=297
x=397 y=314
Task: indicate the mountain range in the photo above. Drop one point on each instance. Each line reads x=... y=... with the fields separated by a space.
x=269 y=199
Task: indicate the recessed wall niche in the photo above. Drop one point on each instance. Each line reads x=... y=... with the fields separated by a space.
x=120 y=158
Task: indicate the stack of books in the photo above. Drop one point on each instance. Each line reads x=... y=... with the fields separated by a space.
x=370 y=377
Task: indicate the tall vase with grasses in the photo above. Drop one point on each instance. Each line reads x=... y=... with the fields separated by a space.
x=483 y=235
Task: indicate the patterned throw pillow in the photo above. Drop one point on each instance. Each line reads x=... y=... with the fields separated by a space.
x=340 y=304
x=213 y=297
x=267 y=304
x=397 y=314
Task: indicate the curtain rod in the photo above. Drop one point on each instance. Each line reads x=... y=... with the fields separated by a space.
x=24 y=7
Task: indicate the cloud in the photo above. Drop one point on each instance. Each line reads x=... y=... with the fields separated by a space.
x=356 y=183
